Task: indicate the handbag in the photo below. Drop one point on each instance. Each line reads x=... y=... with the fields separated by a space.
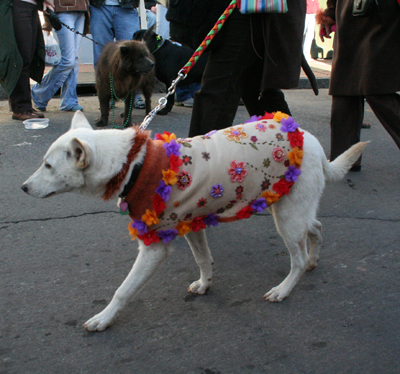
x=263 y=6
x=363 y=8
x=53 y=51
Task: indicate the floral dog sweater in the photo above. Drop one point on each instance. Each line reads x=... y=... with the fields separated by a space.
x=222 y=176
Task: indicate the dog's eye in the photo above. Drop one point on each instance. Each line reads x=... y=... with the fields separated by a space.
x=47 y=166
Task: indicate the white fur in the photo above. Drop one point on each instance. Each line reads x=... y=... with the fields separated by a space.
x=84 y=160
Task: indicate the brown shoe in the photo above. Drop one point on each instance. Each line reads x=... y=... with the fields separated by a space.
x=25 y=115
x=39 y=114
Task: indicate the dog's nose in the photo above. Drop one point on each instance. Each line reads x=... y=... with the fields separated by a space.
x=24 y=188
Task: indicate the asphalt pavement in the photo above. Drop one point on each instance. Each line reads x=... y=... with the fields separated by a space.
x=62 y=259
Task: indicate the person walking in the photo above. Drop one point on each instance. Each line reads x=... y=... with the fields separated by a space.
x=366 y=64
x=23 y=53
x=64 y=76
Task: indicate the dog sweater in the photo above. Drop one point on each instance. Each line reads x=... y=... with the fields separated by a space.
x=188 y=184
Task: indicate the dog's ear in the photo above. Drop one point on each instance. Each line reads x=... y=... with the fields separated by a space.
x=79 y=120
x=124 y=50
x=82 y=153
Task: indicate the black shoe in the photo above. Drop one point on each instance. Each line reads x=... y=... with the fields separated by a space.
x=356 y=168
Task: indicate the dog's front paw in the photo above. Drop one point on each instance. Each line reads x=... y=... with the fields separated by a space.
x=99 y=322
x=199 y=287
x=100 y=122
x=164 y=111
x=277 y=294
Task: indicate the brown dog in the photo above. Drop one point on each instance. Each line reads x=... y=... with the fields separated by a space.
x=123 y=69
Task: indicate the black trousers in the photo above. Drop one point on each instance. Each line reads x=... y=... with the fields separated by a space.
x=234 y=70
x=26 y=23
x=348 y=114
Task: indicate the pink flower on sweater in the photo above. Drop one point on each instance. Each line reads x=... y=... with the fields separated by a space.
x=237 y=171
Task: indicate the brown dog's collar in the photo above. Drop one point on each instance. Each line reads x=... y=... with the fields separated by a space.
x=115 y=183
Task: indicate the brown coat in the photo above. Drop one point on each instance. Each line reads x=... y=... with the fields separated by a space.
x=366 y=58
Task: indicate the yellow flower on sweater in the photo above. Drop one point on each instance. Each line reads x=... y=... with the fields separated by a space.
x=270 y=197
x=296 y=156
x=279 y=115
x=235 y=133
x=183 y=228
x=169 y=177
x=150 y=218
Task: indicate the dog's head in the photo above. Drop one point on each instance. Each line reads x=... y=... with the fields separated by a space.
x=134 y=58
x=63 y=167
x=152 y=40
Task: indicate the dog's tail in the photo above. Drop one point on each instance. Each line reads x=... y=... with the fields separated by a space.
x=334 y=171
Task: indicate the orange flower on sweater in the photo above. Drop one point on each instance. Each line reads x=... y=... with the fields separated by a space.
x=132 y=232
x=270 y=197
x=236 y=134
x=183 y=228
x=150 y=217
x=296 y=156
x=169 y=177
x=279 y=115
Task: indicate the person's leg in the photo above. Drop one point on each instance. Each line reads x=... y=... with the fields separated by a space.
x=182 y=93
x=101 y=28
x=125 y=23
x=216 y=103
x=26 y=22
x=151 y=18
x=387 y=109
x=69 y=97
x=55 y=79
x=346 y=120
x=309 y=31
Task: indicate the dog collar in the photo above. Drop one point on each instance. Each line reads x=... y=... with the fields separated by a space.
x=159 y=45
x=115 y=183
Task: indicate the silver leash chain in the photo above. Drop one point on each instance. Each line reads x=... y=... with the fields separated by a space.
x=162 y=102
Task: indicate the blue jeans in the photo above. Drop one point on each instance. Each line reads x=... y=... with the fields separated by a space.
x=109 y=22
x=65 y=74
x=183 y=93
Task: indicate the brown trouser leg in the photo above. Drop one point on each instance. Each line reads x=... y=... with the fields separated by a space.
x=387 y=110
x=346 y=120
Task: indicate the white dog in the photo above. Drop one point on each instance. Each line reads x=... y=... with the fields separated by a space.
x=176 y=187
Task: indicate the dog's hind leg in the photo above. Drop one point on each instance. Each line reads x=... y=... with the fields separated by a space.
x=315 y=237
x=202 y=255
x=293 y=227
x=148 y=261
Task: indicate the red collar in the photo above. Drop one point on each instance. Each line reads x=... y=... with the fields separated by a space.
x=115 y=183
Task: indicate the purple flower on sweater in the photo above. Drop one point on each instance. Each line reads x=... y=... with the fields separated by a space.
x=172 y=148
x=167 y=235
x=253 y=119
x=217 y=190
x=259 y=205
x=140 y=226
x=254 y=139
x=292 y=173
x=288 y=125
x=210 y=220
x=210 y=133
x=163 y=190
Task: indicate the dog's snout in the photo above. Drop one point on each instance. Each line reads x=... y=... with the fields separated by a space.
x=24 y=188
